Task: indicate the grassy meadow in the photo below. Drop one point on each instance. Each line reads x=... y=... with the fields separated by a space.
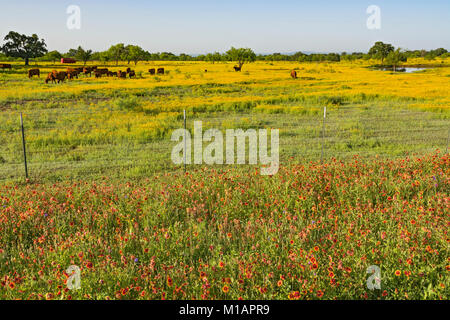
x=104 y=195
x=91 y=127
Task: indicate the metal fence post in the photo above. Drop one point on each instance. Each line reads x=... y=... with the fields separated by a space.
x=24 y=148
x=185 y=151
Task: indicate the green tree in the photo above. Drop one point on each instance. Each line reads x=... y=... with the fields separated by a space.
x=135 y=54
x=104 y=56
x=213 y=57
x=22 y=46
x=52 y=56
x=117 y=52
x=395 y=57
x=96 y=56
x=381 y=50
x=83 y=55
x=185 y=57
x=241 y=55
x=71 y=53
x=164 y=56
x=200 y=57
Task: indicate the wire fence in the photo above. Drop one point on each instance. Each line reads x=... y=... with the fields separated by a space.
x=301 y=139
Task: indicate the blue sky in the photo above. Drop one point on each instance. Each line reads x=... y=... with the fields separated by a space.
x=200 y=26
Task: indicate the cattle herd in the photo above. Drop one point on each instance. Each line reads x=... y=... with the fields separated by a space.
x=71 y=73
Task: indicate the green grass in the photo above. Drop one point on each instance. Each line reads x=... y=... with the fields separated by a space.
x=55 y=154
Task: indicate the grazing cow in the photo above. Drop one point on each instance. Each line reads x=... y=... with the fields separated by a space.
x=50 y=77
x=294 y=74
x=97 y=74
x=60 y=76
x=160 y=71
x=122 y=74
x=5 y=66
x=34 y=72
x=152 y=70
x=236 y=68
x=87 y=71
x=72 y=74
x=102 y=71
x=132 y=74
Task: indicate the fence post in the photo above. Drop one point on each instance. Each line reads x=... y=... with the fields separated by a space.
x=323 y=131
x=24 y=148
x=185 y=151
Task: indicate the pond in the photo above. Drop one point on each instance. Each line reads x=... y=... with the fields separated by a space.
x=400 y=69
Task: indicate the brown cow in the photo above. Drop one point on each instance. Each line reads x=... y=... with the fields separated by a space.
x=72 y=74
x=152 y=70
x=87 y=71
x=50 y=77
x=97 y=74
x=5 y=66
x=160 y=71
x=34 y=72
x=122 y=74
x=132 y=74
x=236 y=68
x=294 y=74
x=102 y=71
x=60 y=76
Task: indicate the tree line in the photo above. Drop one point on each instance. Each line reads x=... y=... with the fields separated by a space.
x=20 y=46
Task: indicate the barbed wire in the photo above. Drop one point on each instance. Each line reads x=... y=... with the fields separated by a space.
x=106 y=154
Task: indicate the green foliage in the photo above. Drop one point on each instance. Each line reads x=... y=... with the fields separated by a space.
x=135 y=54
x=395 y=57
x=52 y=56
x=116 y=52
x=83 y=55
x=381 y=50
x=22 y=46
x=213 y=57
x=241 y=55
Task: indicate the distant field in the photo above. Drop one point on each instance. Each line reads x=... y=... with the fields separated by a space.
x=88 y=128
x=104 y=195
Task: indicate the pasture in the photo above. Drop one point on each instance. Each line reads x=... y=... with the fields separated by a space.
x=90 y=127
x=104 y=195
